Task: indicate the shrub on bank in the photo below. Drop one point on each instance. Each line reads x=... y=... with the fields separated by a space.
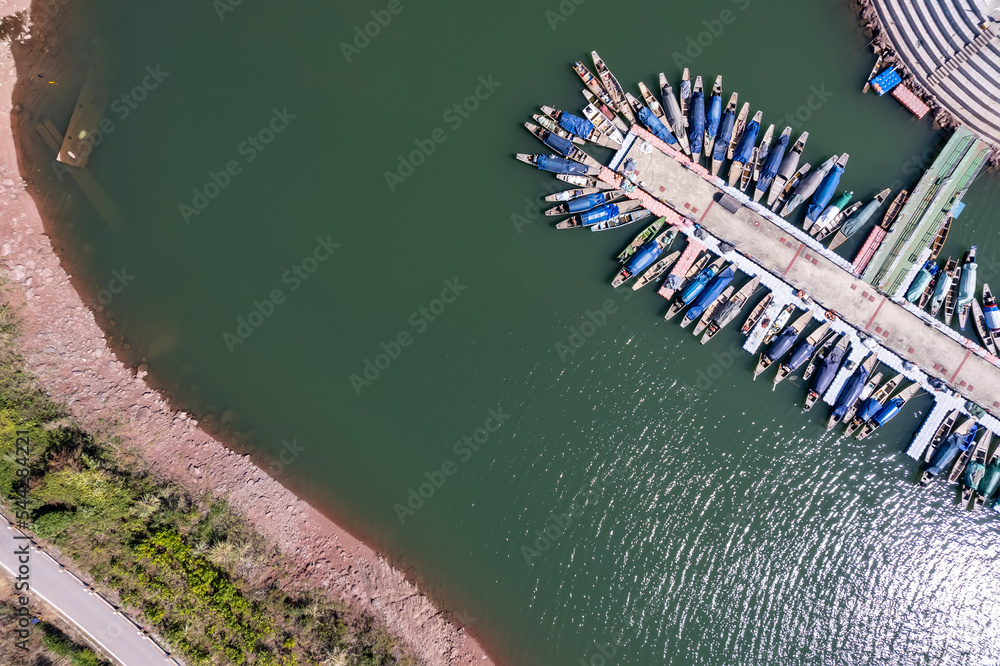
x=195 y=572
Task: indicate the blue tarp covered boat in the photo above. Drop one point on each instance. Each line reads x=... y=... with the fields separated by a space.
x=827 y=370
x=644 y=258
x=745 y=146
x=947 y=452
x=868 y=410
x=824 y=192
x=561 y=165
x=558 y=144
x=725 y=135
x=888 y=411
x=711 y=292
x=697 y=285
x=697 y=130
x=852 y=389
x=713 y=116
x=772 y=164
x=782 y=344
x=602 y=214
x=581 y=127
x=656 y=126
x=801 y=354
x=581 y=204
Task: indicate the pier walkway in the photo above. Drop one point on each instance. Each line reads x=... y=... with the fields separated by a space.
x=952 y=50
x=789 y=261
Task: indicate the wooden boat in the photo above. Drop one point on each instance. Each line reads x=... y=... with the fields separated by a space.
x=790 y=185
x=982 y=438
x=868 y=83
x=550 y=125
x=549 y=119
x=905 y=395
x=624 y=207
x=757 y=313
x=533 y=161
x=607 y=110
x=656 y=270
x=762 y=152
x=729 y=310
x=979 y=321
x=786 y=169
x=941 y=433
x=766 y=359
x=951 y=300
x=574 y=193
x=604 y=197
x=841 y=236
x=814 y=340
x=982 y=448
x=615 y=90
x=623 y=219
x=583 y=181
x=868 y=364
x=682 y=274
x=747 y=170
x=712 y=309
x=730 y=108
x=940 y=238
x=964 y=308
x=928 y=292
x=880 y=396
x=820 y=352
x=949 y=269
x=980 y=499
x=603 y=125
x=640 y=239
x=684 y=94
x=894 y=208
x=779 y=323
x=652 y=102
x=822 y=232
x=593 y=83
x=572 y=153
x=709 y=143
x=992 y=314
x=741 y=123
x=961 y=431
x=678 y=304
x=812 y=395
x=662 y=242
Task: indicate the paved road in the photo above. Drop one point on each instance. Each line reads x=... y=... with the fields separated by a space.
x=116 y=635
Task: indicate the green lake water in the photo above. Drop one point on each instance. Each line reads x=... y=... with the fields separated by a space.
x=719 y=525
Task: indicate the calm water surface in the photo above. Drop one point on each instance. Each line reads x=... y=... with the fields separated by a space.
x=719 y=524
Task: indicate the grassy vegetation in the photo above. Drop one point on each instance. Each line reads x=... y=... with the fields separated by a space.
x=188 y=567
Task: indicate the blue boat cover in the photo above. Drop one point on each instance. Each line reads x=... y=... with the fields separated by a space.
x=869 y=409
x=644 y=258
x=851 y=391
x=886 y=81
x=800 y=355
x=692 y=290
x=714 y=115
x=773 y=163
x=782 y=344
x=697 y=132
x=561 y=165
x=992 y=314
x=581 y=127
x=581 y=204
x=744 y=149
x=919 y=285
x=559 y=144
x=824 y=192
x=967 y=285
x=949 y=450
x=827 y=370
x=602 y=214
x=656 y=126
x=725 y=135
x=890 y=410
x=711 y=292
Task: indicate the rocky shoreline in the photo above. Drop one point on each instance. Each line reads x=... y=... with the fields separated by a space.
x=69 y=353
x=882 y=45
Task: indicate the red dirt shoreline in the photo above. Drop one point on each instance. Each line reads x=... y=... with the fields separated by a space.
x=69 y=353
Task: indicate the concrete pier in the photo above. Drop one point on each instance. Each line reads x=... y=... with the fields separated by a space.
x=790 y=261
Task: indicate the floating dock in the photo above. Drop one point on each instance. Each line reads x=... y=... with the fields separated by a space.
x=790 y=262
